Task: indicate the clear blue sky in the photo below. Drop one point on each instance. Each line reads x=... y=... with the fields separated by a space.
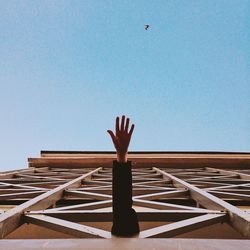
x=67 y=68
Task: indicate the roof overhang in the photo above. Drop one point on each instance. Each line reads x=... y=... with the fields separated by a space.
x=85 y=159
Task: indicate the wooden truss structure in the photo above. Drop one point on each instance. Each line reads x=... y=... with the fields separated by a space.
x=174 y=193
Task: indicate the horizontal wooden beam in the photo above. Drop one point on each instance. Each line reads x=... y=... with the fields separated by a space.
x=149 y=161
x=51 y=153
x=103 y=216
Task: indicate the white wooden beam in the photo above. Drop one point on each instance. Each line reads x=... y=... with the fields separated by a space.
x=87 y=206
x=183 y=226
x=166 y=194
x=239 y=219
x=10 y=220
x=29 y=194
x=163 y=205
x=92 y=195
x=100 y=216
x=230 y=172
x=65 y=226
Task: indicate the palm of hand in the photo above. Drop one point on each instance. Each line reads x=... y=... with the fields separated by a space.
x=121 y=143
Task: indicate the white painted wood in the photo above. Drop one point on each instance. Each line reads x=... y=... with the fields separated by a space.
x=239 y=219
x=65 y=226
x=88 y=194
x=166 y=194
x=10 y=220
x=183 y=226
x=230 y=172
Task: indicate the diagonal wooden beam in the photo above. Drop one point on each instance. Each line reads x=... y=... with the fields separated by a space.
x=65 y=226
x=166 y=194
x=38 y=177
x=11 y=174
x=158 y=182
x=228 y=186
x=208 y=183
x=92 y=188
x=93 y=182
x=87 y=206
x=213 y=177
x=7 y=190
x=230 y=195
x=183 y=226
x=164 y=205
x=235 y=191
x=23 y=186
x=230 y=172
x=15 y=195
x=92 y=195
x=239 y=219
x=10 y=220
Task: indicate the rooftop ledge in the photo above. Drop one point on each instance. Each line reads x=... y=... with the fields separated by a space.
x=126 y=244
x=169 y=159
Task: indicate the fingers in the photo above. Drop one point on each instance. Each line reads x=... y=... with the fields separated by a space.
x=117 y=125
x=127 y=124
x=131 y=130
x=122 y=123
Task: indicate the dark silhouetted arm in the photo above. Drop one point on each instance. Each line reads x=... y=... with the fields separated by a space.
x=125 y=220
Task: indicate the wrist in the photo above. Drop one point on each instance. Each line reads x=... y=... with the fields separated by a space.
x=122 y=158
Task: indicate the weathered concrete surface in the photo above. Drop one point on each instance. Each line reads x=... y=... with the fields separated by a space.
x=125 y=244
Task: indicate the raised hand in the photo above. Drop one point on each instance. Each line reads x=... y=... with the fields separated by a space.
x=122 y=137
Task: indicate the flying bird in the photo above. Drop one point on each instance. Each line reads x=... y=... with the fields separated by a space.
x=146 y=26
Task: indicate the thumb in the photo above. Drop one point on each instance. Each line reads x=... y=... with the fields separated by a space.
x=112 y=135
